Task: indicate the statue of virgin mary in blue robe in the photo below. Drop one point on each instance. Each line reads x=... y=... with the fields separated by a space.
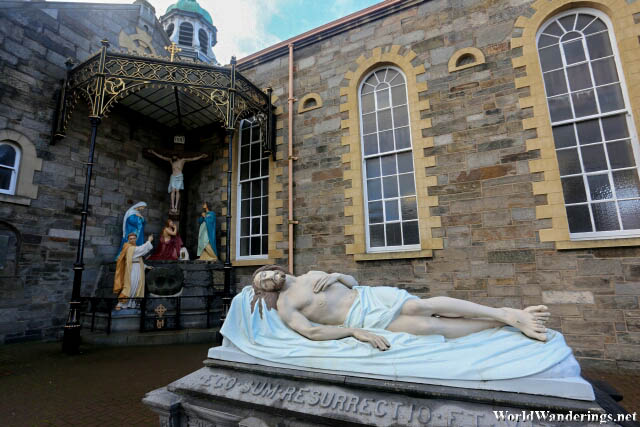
x=133 y=222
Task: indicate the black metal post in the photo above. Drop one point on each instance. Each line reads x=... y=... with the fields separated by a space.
x=270 y=137
x=71 y=338
x=226 y=298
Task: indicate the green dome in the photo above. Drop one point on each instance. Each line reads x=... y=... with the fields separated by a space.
x=191 y=6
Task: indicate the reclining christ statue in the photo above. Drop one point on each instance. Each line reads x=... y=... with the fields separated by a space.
x=340 y=308
x=329 y=322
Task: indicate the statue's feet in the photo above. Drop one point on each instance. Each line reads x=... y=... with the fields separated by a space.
x=530 y=321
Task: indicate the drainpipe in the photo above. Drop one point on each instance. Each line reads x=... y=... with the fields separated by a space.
x=291 y=221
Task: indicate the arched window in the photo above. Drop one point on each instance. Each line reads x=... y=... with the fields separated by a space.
x=252 y=240
x=595 y=141
x=169 y=30
x=391 y=211
x=204 y=41
x=9 y=166
x=185 y=36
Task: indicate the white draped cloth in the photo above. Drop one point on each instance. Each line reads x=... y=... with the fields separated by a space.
x=492 y=354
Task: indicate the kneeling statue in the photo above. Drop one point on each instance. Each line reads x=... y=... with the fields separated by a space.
x=321 y=306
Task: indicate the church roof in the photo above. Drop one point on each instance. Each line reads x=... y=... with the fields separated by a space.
x=191 y=6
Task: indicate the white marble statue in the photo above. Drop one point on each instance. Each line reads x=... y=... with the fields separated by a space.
x=323 y=306
x=329 y=322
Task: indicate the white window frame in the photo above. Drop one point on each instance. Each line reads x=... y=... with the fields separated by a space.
x=239 y=193
x=633 y=135
x=14 y=170
x=365 y=195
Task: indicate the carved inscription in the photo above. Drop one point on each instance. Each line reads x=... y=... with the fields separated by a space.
x=324 y=400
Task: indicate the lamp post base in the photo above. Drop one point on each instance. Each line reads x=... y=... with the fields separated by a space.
x=71 y=337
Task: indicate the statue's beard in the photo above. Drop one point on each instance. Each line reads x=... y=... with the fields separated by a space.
x=270 y=296
x=278 y=282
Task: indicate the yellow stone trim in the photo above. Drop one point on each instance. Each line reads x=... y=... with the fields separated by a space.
x=426 y=253
x=588 y=244
x=253 y=262
x=473 y=51
x=143 y=38
x=620 y=12
x=29 y=163
x=275 y=187
x=304 y=99
x=352 y=161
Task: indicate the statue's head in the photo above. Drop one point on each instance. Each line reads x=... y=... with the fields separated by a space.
x=169 y=223
x=174 y=157
x=205 y=206
x=267 y=281
x=131 y=238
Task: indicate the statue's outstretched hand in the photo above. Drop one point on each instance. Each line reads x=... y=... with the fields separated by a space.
x=325 y=282
x=375 y=340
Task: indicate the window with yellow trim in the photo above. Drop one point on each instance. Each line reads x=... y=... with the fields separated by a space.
x=595 y=140
x=252 y=238
x=390 y=202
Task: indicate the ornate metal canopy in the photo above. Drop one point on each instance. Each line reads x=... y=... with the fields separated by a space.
x=176 y=94
x=184 y=95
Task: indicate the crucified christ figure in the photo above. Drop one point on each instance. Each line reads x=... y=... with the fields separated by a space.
x=176 y=181
x=323 y=306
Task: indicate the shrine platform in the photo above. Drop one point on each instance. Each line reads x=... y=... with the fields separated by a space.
x=183 y=303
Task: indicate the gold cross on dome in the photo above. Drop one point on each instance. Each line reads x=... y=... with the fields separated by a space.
x=173 y=49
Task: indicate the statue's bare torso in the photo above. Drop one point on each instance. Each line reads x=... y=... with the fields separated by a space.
x=316 y=305
x=329 y=307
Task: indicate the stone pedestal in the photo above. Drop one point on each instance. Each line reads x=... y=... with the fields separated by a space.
x=191 y=280
x=225 y=393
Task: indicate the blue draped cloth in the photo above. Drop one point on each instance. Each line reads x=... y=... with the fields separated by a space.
x=210 y=222
x=133 y=224
x=492 y=354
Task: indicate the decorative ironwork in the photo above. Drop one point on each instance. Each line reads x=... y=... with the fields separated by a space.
x=108 y=78
x=216 y=94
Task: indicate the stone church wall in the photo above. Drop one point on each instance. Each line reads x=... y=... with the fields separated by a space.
x=491 y=251
x=35 y=41
x=489 y=237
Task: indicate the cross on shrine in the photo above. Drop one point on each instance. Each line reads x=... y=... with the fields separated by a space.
x=173 y=49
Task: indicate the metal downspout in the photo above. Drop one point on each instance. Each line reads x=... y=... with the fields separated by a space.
x=291 y=221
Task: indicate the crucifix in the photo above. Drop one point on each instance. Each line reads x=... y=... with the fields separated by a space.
x=177 y=158
x=173 y=49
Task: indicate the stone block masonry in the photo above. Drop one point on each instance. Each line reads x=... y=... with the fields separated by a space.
x=473 y=133
x=35 y=41
x=492 y=250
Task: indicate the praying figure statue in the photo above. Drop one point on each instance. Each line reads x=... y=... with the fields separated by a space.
x=128 y=282
x=321 y=306
x=207 y=250
x=176 y=181
x=169 y=244
x=133 y=222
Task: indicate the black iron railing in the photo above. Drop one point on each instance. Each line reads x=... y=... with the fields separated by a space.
x=160 y=313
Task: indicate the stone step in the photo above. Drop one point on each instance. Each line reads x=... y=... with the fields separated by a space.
x=184 y=336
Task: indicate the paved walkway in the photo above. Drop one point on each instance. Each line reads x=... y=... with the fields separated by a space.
x=40 y=386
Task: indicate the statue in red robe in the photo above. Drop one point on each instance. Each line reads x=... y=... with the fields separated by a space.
x=169 y=243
